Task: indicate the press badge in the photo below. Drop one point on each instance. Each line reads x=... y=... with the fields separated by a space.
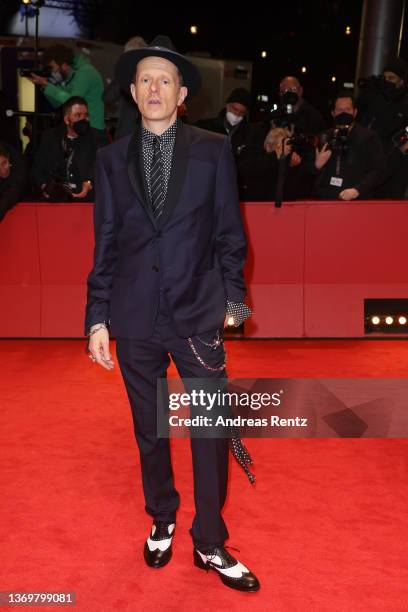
x=336 y=181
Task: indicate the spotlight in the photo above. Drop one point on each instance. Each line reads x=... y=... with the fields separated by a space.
x=304 y=69
x=264 y=54
x=333 y=79
x=348 y=30
x=386 y=316
x=193 y=29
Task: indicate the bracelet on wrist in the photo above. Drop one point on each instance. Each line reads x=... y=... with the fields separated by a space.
x=100 y=326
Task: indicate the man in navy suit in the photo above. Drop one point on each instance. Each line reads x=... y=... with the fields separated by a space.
x=168 y=271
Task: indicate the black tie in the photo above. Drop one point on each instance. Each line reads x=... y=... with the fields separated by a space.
x=156 y=180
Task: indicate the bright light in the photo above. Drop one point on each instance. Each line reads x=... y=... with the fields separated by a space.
x=402 y=320
x=389 y=320
x=264 y=54
x=304 y=69
x=193 y=29
x=333 y=79
x=375 y=320
x=230 y=321
x=348 y=30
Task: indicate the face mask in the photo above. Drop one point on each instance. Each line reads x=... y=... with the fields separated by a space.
x=232 y=118
x=81 y=127
x=389 y=89
x=56 y=77
x=344 y=119
x=290 y=97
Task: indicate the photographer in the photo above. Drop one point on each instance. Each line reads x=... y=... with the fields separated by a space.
x=64 y=162
x=259 y=170
x=232 y=120
x=348 y=162
x=393 y=180
x=72 y=75
x=383 y=101
x=301 y=114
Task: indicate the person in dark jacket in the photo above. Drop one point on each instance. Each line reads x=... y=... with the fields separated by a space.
x=72 y=75
x=383 y=104
x=128 y=112
x=347 y=166
x=232 y=120
x=262 y=173
x=306 y=119
x=13 y=177
x=393 y=180
x=63 y=167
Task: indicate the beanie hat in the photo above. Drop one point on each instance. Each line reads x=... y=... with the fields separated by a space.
x=240 y=95
x=397 y=66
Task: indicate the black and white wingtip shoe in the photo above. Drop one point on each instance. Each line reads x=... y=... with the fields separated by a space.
x=232 y=572
x=157 y=549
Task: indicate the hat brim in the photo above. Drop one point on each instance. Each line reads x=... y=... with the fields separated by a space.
x=127 y=63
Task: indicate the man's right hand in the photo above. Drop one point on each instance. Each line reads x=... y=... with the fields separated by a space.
x=322 y=156
x=98 y=348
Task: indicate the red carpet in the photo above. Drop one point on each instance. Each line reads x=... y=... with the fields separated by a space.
x=323 y=528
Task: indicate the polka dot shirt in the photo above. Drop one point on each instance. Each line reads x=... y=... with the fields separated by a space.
x=166 y=142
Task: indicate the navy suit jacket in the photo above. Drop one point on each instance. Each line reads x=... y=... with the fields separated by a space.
x=194 y=253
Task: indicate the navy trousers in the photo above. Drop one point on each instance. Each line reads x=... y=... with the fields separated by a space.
x=142 y=362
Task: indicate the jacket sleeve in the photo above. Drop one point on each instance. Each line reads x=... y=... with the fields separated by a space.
x=105 y=251
x=230 y=241
x=77 y=86
x=375 y=151
x=16 y=184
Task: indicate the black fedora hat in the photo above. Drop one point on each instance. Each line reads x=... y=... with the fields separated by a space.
x=161 y=46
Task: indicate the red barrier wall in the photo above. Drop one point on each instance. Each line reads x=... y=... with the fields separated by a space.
x=310 y=266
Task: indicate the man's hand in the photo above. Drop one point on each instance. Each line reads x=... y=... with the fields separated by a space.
x=86 y=188
x=228 y=321
x=295 y=160
x=98 y=348
x=322 y=156
x=37 y=80
x=45 y=194
x=349 y=194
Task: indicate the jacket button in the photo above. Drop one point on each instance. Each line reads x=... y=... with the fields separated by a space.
x=155 y=268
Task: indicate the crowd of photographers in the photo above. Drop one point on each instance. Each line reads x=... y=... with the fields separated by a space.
x=292 y=154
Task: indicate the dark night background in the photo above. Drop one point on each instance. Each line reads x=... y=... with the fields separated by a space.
x=294 y=34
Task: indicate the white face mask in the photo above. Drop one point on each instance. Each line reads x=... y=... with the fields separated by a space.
x=56 y=77
x=232 y=118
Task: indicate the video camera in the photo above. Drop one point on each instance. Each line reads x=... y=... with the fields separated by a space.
x=43 y=71
x=301 y=142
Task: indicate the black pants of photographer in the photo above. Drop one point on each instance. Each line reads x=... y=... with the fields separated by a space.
x=142 y=362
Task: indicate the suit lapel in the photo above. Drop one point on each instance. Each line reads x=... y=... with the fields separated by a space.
x=178 y=172
x=177 y=175
x=136 y=173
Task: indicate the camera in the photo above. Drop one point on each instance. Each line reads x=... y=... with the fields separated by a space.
x=337 y=139
x=43 y=71
x=301 y=143
x=283 y=115
x=59 y=190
